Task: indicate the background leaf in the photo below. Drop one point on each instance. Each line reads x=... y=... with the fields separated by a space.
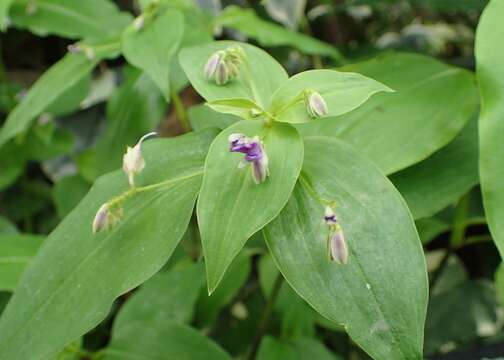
x=231 y=207
x=415 y=119
x=380 y=296
x=16 y=252
x=152 y=47
x=4 y=12
x=202 y=116
x=441 y=179
x=76 y=275
x=90 y=19
x=490 y=73
x=342 y=92
x=270 y=34
x=299 y=349
x=258 y=84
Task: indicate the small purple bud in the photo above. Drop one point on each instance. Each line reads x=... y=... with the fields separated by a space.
x=221 y=74
x=211 y=65
x=315 y=104
x=100 y=221
x=337 y=246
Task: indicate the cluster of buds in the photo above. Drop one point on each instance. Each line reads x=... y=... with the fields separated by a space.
x=133 y=162
x=315 y=104
x=336 y=244
x=81 y=48
x=224 y=65
x=107 y=217
x=253 y=148
x=110 y=213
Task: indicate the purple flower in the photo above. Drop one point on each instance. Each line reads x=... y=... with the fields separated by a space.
x=255 y=154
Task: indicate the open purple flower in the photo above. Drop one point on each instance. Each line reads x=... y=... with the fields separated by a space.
x=255 y=154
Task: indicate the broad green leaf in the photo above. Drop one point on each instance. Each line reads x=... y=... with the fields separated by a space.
x=299 y=349
x=489 y=50
x=209 y=305
x=152 y=47
x=51 y=85
x=168 y=297
x=163 y=341
x=400 y=129
x=476 y=307
x=201 y=117
x=71 y=99
x=16 y=252
x=243 y=108
x=135 y=109
x=440 y=180
x=6 y=227
x=68 y=192
x=270 y=34
x=4 y=12
x=76 y=276
x=231 y=206
x=342 y=93
x=260 y=74
x=380 y=295
x=69 y=18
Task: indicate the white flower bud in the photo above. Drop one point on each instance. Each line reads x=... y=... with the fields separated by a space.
x=315 y=104
x=133 y=162
x=338 y=250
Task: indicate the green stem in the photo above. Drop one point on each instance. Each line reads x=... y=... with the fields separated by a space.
x=314 y=194
x=180 y=110
x=268 y=311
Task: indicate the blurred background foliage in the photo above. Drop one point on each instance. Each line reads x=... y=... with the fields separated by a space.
x=47 y=168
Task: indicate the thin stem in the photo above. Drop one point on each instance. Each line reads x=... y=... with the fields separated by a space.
x=180 y=110
x=314 y=194
x=268 y=311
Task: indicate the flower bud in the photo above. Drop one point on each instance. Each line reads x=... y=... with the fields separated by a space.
x=315 y=104
x=133 y=162
x=254 y=154
x=338 y=250
x=101 y=218
x=330 y=216
x=224 y=65
x=139 y=22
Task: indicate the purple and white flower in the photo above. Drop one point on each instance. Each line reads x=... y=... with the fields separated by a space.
x=336 y=243
x=253 y=148
x=224 y=65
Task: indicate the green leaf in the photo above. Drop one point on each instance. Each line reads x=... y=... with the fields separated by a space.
x=76 y=275
x=380 y=295
x=288 y=12
x=163 y=341
x=152 y=47
x=299 y=349
x=201 y=117
x=12 y=163
x=16 y=252
x=168 y=297
x=489 y=50
x=69 y=18
x=400 y=129
x=68 y=192
x=135 y=109
x=53 y=84
x=4 y=12
x=260 y=74
x=430 y=227
x=231 y=207
x=441 y=179
x=71 y=99
x=342 y=93
x=243 y=108
x=209 y=305
x=270 y=34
